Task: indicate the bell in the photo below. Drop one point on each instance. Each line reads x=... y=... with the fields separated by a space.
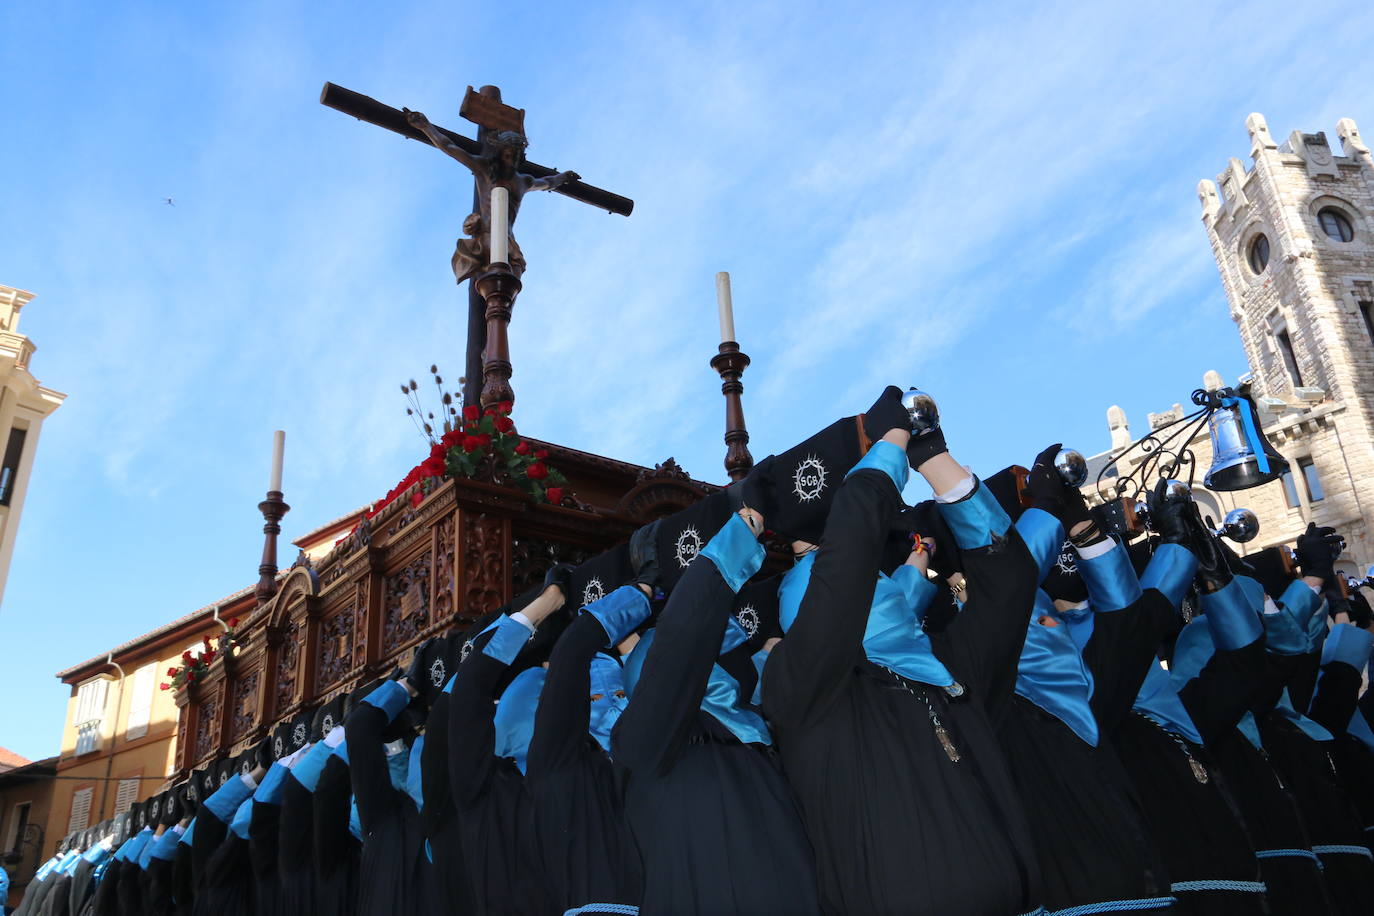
x=1072 y=467
x=1240 y=525
x=1236 y=464
x=921 y=409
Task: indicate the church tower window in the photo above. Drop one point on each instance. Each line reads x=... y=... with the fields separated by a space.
x=1310 y=478
x=1290 y=360
x=1259 y=253
x=1335 y=224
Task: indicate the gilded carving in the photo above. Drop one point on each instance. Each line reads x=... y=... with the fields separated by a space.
x=445 y=583
x=482 y=563
x=288 y=667
x=334 y=654
x=245 y=708
x=207 y=719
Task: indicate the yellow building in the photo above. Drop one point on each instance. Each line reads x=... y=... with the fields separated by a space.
x=119 y=738
x=24 y=405
x=26 y=789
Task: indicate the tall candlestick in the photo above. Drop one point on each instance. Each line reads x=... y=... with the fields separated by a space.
x=278 y=448
x=500 y=225
x=726 y=306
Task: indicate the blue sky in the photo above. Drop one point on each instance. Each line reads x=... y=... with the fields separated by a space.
x=994 y=201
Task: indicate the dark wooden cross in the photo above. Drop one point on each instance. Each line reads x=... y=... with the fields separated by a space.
x=486 y=110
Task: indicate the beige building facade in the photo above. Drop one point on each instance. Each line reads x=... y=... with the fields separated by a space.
x=1293 y=237
x=24 y=405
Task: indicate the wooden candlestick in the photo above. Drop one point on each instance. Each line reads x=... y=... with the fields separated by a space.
x=731 y=363
x=498 y=287
x=272 y=509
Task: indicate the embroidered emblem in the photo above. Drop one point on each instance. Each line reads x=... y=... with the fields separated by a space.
x=437 y=672
x=224 y=777
x=808 y=480
x=1068 y=560
x=688 y=546
x=153 y=812
x=749 y=619
x=278 y=748
x=298 y=734
x=467 y=650
x=327 y=724
x=246 y=767
x=594 y=591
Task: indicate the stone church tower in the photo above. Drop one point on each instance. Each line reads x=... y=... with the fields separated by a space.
x=1293 y=236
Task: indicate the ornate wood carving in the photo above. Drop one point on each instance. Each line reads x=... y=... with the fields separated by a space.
x=445 y=571
x=483 y=562
x=244 y=712
x=405 y=603
x=532 y=557
x=288 y=667
x=334 y=655
x=360 y=628
x=207 y=718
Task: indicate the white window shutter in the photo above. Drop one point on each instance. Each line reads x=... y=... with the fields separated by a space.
x=141 y=703
x=81 y=810
x=126 y=796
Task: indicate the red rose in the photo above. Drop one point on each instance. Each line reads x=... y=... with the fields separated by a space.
x=522 y=447
x=541 y=454
x=434 y=466
x=164 y=686
x=471 y=443
x=483 y=439
x=505 y=407
x=504 y=424
x=471 y=412
x=554 y=495
x=186 y=656
x=233 y=622
x=416 y=498
x=489 y=412
x=537 y=471
x=437 y=450
x=171 y=672
x=452 y=438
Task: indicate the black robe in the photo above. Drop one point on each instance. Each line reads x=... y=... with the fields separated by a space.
x=1290 y=869
x=1087 y=821
x=295 y=861
x=335 y=854
x=1335 y=703
x=900 y=825
x=392 y=875
x=587 y=852
x=495 y=814
x=717 y=827
x=229 y=888
x=450 y=886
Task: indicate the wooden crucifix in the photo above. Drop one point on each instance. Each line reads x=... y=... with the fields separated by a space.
x=496 y=159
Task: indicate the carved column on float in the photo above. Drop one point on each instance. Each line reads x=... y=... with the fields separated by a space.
x=498 y=287
x=730 y=363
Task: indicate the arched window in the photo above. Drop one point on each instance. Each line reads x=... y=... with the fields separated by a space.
x=1259 y=253
x=1335 y=224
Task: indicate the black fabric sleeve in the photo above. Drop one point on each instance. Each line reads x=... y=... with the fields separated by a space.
x=1224 y=689
x=210 y=833
x=985 y=639
x=471 y=725
x=650 y=733
x=806 y=670
x=1302 y=683
x=434 y=782
x=560 y=725
x=367 y=766
x=1338 y=696
x=1120 y=652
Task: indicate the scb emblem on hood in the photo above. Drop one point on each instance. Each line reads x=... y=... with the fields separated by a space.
x=688 y=546
x=808 y=480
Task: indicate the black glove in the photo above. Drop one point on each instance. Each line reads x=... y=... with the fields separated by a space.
x=756 y=491
x=644 y=555
x=423 y=670
x=560 y=574
x=1361 y=614
x=924 y=519
x=1336 y=603
x=262 y=753
x=1317 y=551
x=1050 y=494
x=1170 y=520
x=1213 y=566
x=171 y=808
x=887 y=413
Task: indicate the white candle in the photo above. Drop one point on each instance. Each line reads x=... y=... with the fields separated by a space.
x=278 y=448
x=726 y=306
x=500 y=225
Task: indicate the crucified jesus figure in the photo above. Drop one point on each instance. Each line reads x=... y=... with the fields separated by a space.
x=498 y=165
